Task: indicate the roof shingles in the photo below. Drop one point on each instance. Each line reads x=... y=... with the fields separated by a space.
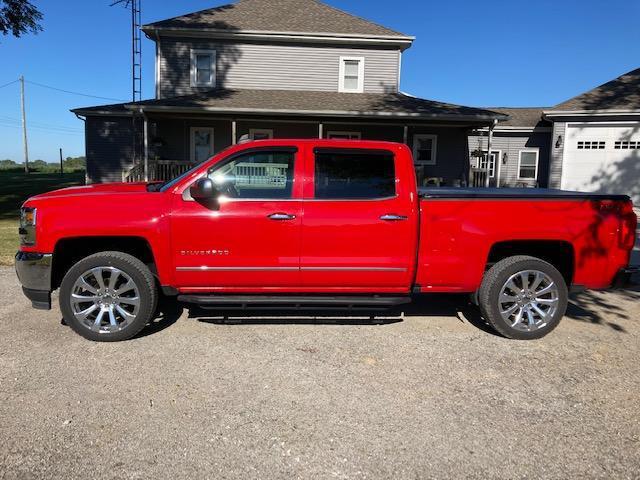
x=294 y=16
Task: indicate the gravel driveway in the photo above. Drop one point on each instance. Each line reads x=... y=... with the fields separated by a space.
x=432 y=395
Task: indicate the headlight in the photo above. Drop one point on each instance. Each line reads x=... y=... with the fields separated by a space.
x=27 y=217
x=27 y=228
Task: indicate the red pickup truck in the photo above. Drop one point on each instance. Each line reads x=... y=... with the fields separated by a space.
x=316 y=225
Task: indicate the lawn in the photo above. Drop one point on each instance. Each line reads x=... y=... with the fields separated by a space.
x=15 y=188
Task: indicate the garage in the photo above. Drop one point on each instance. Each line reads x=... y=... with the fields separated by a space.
x=603 y=157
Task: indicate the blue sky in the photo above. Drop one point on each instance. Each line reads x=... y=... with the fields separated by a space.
x=491 y=53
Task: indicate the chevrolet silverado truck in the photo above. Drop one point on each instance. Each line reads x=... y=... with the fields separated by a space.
x=316 y=225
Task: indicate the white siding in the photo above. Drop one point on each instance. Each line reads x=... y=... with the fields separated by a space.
x=274 y=66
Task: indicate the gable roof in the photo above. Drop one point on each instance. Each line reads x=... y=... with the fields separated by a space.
x=282 y=16
x=527 y=117
x=622 y=93
x=307 y=103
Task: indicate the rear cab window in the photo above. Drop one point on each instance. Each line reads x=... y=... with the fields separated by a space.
x=354 y=174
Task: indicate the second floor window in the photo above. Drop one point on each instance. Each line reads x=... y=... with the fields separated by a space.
x=351 y=75
x=203 y=68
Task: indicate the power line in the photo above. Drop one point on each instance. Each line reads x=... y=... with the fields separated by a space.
x=73 y=93
x=10 y=83
x=4 y=118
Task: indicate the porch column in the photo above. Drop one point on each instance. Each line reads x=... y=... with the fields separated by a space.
x=234 y=132
x=491 y=127
x=146 y=145
x=320 y=130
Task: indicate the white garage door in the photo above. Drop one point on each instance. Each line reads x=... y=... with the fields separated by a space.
x=603 y=158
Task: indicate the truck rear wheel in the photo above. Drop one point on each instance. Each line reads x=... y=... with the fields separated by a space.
x=108 y=296
x=523 y=297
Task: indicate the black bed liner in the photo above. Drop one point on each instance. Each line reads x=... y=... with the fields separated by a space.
x=513 y=194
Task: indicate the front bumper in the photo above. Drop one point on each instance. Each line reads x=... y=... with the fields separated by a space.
x=34 y=273
x=623 y=277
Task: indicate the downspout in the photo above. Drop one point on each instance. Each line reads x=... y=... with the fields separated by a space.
x=146 y=144
x=493 y=125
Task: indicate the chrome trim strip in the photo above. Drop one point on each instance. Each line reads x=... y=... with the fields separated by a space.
x=205 y=268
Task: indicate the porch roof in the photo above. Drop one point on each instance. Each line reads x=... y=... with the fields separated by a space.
x=305 y=103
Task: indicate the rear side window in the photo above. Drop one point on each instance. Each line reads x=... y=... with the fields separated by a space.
x=357 y=175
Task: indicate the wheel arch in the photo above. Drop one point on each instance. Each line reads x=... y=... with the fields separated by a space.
x=68 y=251
x=559 y=253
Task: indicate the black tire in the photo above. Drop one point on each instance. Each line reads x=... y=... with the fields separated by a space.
x=491 y=288
x=139 y=274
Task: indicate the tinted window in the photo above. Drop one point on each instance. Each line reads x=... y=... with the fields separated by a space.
x=263 y=174
x=354 y=175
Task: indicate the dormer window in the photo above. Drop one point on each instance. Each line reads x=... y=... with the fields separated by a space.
x=351 y=75
x=203 y=68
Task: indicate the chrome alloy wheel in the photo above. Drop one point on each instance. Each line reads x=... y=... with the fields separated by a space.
x=528 y=300
x=105 y=299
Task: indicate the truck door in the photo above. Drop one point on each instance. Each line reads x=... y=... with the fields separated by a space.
x=251 y=240
x=359 y=229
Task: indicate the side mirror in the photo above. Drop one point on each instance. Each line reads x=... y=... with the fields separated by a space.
x=204 y=190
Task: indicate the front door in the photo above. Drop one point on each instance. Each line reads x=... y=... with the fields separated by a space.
x=359 y=227
x=250 y=241
x=201 y=144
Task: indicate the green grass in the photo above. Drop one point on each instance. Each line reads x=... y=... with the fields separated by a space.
x=15 y=188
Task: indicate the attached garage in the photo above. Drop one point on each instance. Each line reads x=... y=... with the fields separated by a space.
x=602 y=157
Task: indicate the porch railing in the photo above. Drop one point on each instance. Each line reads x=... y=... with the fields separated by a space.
x=478 y=177
x=158 y=170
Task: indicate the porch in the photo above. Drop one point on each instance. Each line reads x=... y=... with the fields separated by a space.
x=172 y=144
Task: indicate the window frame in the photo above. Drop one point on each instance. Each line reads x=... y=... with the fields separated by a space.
x=356 y=135
x=346 y=151
x=194 y=67
x=528 y=150
x=267 y=131
x=342 y=71
x=495 y=163
x=434 y=149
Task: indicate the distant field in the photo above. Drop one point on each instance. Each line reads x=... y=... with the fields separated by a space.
x=15 y=188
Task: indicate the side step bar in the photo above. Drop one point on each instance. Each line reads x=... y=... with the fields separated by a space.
x=294 y=302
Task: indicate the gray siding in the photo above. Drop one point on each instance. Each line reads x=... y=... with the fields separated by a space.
x=273 y=66
x=557 y=154
x=511 y=144
x=108 y=148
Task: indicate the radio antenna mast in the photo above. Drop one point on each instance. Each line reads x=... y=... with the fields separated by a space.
x=136 y=45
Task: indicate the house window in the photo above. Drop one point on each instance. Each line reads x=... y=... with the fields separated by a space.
x=343 y=135
x=351 y=75
x=528 y=165
x=591 y=145
x=203 y=68
x=201 y=144
x=342 y=175
x=260 y=134
x=424 y=149
x=491 y=165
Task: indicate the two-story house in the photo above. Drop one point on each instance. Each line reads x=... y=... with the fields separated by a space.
x=274 y=69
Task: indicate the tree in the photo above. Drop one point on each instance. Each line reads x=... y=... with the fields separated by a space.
x=18 y=17
x=6 y=163
x=38 y=165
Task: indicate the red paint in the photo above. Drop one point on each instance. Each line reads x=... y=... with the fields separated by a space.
x=333 y=246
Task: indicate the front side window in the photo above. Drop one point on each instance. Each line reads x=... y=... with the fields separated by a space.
x=351 y=74
x=203 y=68
x=263 y=174
x=528 y=165
x=358 y=175
x=424 y=149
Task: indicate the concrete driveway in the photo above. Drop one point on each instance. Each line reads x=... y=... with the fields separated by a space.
x=432 y=395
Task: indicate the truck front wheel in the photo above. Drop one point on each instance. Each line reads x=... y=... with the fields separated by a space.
x=523 y=297
x=108 y=296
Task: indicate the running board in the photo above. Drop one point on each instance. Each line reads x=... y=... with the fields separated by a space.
x=295 y=302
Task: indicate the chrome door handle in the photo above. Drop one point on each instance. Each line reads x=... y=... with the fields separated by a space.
x=281 y=216
x=390 y=217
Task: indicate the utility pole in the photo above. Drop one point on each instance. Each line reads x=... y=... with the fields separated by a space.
x=61 y=169
x=24 y=127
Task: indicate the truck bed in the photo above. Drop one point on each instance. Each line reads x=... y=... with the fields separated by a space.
x=513 y=193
